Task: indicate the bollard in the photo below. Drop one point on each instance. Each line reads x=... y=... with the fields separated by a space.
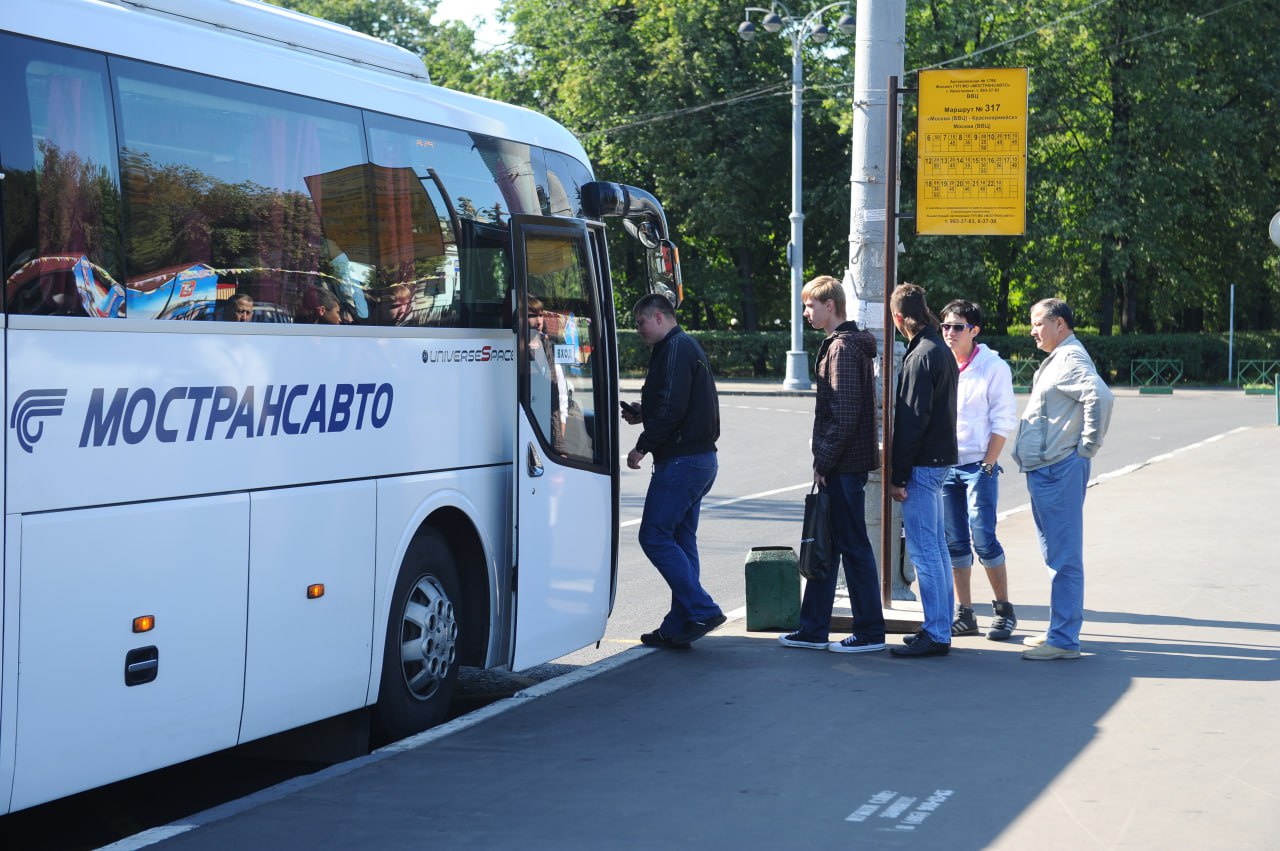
x=773 y=589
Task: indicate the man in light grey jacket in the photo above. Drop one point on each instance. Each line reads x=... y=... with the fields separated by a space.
x=1060 y=430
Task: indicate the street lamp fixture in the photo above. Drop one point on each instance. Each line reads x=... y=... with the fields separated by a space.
x=799 y=28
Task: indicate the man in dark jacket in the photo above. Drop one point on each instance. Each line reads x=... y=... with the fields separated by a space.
x=924 y=448
x=844 y=451
x=681 y=416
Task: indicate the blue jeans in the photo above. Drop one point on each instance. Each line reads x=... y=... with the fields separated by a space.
x=1057 y=504
x=853 y=547
x=969 y=498
x=927 y=546
x=669 y=534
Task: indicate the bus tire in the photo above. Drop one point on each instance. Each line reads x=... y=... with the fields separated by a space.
x=420 y=659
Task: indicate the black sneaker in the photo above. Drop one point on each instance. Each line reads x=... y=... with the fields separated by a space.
x=658 y=638
x=966 y=622
x=854 y=644
x=921 y=645
x=693 y=630
x=800 y=639
x=1004 y=622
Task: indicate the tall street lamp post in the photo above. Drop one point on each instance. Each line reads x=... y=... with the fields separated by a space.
x=799 y=29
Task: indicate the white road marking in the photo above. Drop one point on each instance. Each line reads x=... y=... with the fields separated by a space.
x=1133 y=468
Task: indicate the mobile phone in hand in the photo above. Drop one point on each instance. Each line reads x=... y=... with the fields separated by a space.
x=630 y=408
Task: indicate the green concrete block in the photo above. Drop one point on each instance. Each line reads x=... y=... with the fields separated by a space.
x=773 y=589
x=1156 y=391
x=1022 y=388
x=1258 y=391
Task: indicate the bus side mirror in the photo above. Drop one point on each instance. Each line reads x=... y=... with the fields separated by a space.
x=664 y=271
x=642 y=232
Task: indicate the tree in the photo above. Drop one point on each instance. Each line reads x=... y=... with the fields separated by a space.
x=448 y=49
x=1153 y=156
x=1152 y=152
x=664 y=95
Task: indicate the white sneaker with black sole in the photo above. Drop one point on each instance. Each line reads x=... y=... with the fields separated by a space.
x=799 y=639
x=853 y=644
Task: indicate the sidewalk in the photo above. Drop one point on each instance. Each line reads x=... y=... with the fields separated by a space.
x=1163 y=736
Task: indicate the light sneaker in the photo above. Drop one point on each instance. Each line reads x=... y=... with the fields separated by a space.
x=1035 y=640
x=799 y=639
x=1004 y=621
x=854 y=644
x=1046 y=652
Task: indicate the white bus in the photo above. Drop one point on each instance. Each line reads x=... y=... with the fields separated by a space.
x=405 y=459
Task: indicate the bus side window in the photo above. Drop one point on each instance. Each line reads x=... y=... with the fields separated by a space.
x=62 y=188
x=563 y=323
x=225 y=184
x=457 y=262
x=565 y=177
x=485 y=260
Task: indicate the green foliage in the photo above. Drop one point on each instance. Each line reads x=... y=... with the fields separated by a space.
x=448 y=49
x=637 y=81
x=733 y=354
x=1153 y=162
x=763 y=354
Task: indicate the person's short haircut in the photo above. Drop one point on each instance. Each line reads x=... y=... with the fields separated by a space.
x=327 y=299
x=908 y=301
x=825 y=288
x=1056 y=307
x=651 y=304
x=966 y=310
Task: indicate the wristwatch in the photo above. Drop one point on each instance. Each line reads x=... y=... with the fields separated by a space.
x=989 y=469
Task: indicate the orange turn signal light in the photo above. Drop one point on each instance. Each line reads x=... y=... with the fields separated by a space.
x=315 y=592
x=145 y=623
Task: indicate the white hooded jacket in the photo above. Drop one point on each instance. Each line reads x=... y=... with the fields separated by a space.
x=984 y=404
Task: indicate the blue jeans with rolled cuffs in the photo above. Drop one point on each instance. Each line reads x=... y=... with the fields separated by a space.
x=849 y=540
x=969 y=499
x=1057 y=505
x=923 y=524
x=669 y=534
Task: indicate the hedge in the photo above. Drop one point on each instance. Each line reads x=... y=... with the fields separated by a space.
x=762 y=354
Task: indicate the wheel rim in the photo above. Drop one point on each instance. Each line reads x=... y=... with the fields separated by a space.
x=428 y=637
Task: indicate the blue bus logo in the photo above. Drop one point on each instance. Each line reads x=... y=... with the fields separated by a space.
x=27 y=417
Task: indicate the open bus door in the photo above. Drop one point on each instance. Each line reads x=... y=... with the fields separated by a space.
x=566 y=450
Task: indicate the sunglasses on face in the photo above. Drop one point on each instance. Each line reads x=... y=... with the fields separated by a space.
x=957 y=328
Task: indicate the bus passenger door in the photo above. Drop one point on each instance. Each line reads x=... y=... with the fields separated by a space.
x=564 y=466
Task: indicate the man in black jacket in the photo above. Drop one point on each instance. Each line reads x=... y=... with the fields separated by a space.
x=681 y=416
x=924 y=448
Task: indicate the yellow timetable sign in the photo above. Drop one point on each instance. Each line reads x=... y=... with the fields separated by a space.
x=971 y=175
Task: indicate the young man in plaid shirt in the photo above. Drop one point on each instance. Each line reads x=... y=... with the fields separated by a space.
x=844 y=451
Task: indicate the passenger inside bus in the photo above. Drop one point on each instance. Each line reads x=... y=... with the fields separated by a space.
x=547 y=390
x=396 y=305
x=239 y=308
x=320 y=306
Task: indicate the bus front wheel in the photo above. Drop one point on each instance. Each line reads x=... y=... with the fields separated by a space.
x=420 y=660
